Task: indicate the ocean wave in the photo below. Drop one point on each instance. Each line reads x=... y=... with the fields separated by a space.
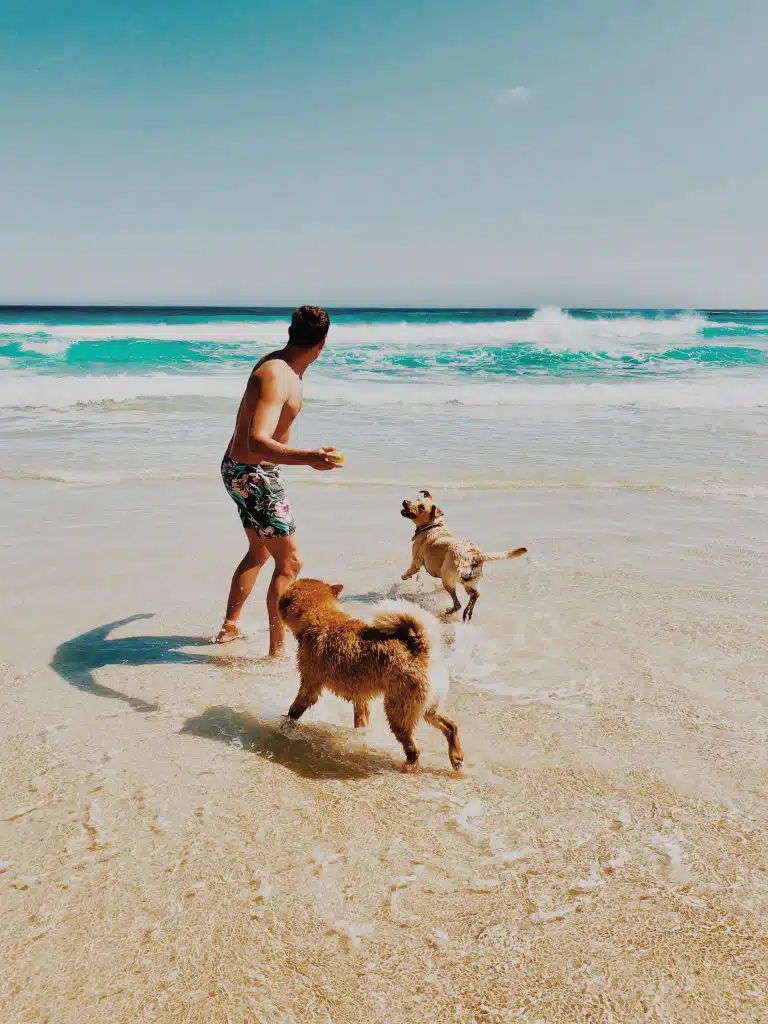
x=512 y=359
x=550 y=343
x=549 y=360
x=551 y=328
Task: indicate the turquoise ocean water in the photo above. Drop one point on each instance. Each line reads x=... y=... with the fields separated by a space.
x=520 y=394
x=443 y=347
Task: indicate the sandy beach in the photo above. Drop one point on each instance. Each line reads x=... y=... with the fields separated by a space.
x=512 y=253
x=170 y=853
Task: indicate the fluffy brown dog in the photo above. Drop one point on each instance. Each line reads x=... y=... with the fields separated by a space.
x=398 y=655
x=445 y=556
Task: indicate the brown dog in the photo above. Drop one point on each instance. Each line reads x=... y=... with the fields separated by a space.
x=398 y=655
x=445 y=556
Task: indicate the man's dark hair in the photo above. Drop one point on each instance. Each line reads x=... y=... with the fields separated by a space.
x=309 y=326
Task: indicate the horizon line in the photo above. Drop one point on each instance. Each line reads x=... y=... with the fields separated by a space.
x=99 y=307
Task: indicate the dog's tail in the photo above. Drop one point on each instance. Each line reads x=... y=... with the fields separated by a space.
x=411 y=625
x=470 y=575
x=420 y=632
x=502 y=556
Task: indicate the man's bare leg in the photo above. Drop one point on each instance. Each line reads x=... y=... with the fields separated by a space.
x=287 y=567
x=243 y=580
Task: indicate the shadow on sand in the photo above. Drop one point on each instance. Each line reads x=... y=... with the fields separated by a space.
x=312 y=751
x=76 y=659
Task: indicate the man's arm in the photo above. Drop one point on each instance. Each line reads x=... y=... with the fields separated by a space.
x=262 y=446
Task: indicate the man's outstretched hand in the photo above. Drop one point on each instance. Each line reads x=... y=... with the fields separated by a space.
x=324 y=459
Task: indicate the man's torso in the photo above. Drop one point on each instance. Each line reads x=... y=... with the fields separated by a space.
x=238 y=448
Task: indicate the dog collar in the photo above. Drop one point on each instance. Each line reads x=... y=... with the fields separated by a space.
x=426 y=528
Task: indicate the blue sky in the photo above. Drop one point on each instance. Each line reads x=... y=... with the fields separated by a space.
x=566 y=152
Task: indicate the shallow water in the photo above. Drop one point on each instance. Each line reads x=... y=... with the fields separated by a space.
x=171 y=852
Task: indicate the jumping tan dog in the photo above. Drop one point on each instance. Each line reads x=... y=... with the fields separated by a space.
x=445 y=556
x=397 y=655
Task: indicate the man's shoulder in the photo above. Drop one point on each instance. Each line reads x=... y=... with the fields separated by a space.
x=272 y=370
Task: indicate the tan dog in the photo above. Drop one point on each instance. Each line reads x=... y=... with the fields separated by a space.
x=445 y=556
x=397 y=655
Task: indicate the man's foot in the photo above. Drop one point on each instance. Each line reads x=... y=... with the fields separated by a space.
x=229 y=631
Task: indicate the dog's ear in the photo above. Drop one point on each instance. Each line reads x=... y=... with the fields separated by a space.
x=434 y=512
x=426 y=494
x=337 y=588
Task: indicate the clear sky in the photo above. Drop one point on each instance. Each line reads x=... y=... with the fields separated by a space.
x=449 y=152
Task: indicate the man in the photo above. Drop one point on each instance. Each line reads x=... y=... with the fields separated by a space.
x=251 y=474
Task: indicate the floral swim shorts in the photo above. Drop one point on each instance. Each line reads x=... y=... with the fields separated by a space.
x=258 y=492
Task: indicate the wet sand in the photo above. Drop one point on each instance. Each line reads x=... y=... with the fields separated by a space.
x=171 y=853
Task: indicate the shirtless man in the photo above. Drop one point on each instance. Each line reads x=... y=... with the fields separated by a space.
x=251 y=473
